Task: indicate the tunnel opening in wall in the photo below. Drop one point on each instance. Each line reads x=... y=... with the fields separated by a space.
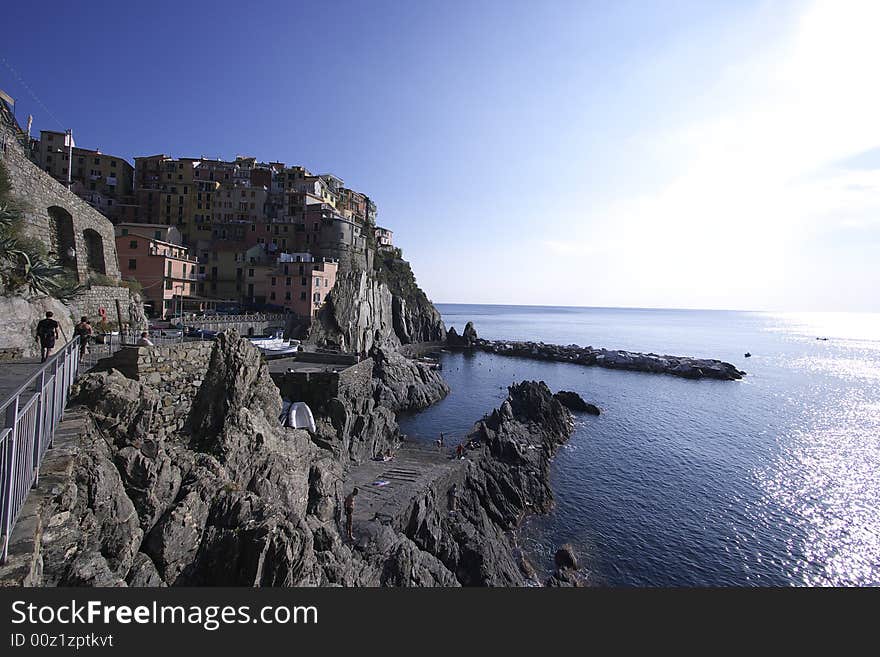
x=94 y=244
x=61 y=235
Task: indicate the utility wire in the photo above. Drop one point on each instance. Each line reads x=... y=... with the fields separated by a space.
x=31 y=92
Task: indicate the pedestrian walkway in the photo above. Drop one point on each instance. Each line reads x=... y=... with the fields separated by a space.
x=414 y=469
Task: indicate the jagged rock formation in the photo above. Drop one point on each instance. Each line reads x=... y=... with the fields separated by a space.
x=235 y=499
x=468 y=338
x=506 y=478
x=566 y=573
x=238 y=500
x=574 y=402
x=382 y=308
x=402 y=384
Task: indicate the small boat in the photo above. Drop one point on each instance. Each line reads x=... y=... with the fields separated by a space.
x=823 y=339
x=276 y=345
x=748 y=354
x=297 y=415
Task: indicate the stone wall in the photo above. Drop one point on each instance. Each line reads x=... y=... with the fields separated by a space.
x=318 y=388
x=57 y=216
x=174 y=371
x=90 y=302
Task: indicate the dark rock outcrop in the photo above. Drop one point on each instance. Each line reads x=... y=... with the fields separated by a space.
x=574 y=402
x=237 y=500
x=403 y=384
x=506 y=478
x=566 y=573
x=382 y=308
x=468 y=338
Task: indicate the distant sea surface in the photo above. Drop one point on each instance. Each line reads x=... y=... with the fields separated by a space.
x=773 y=480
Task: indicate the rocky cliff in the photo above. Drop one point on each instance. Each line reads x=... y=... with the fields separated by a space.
x=383 y=308
x=235 y=499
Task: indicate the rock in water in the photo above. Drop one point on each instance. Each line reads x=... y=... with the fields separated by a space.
x=469 y=334
x=574 y=402
x=468 y=338
x=566 y=573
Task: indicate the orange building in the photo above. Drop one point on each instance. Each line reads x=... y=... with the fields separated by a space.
x=152 y=255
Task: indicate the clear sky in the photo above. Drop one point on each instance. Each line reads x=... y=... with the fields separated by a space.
x=661 y=154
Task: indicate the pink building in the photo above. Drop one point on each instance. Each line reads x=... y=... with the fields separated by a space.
x=152 y=255
x=301 y=283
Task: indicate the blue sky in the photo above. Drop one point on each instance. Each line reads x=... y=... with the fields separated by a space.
x=665 y=154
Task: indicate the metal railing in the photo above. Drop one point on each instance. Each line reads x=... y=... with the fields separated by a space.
x=31 y=415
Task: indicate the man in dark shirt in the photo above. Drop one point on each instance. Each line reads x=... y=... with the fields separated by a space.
x=84 y=331
x=47 y=333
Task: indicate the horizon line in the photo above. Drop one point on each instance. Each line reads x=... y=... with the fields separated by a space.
x=728 y=310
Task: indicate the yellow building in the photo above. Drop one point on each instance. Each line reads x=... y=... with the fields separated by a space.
x=104 y=181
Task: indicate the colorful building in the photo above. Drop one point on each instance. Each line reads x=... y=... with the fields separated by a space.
x=384 y=238
x=301 y=283
x=105 y=182
x=152 y=255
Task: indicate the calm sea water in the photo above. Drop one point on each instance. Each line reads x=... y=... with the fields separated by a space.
x=774 y=480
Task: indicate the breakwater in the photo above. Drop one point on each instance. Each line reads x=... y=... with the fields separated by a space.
x=683 y=366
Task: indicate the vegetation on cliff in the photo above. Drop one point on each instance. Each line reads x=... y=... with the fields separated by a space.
x=25 y=264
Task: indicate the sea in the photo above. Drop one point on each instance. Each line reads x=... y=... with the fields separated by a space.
x=769 y=481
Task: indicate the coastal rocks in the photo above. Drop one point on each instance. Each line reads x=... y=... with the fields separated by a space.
x=681 y=366
x=507 y=476
x=566 y=573
x=235 y=499
x=356 y=316
x=403 y=384
x=468 y=338
x=381 y=308
x=415 y=317
x=574 y=402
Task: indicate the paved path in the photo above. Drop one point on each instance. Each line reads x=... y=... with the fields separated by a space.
x=28 y=540
x=411 y=472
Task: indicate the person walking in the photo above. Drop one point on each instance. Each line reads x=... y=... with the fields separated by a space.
x=84 y=331
x=349 y=512
x=47 y=334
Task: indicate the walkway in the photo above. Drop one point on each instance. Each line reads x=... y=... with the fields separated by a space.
x=413 y=470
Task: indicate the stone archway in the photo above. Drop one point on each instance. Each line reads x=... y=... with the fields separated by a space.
x=94 y=244
x=62 y=236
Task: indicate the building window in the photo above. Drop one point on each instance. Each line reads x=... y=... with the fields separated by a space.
x=273 y=282
x=132 y=263
x=272 y=295
x=302 y=296
x=287 y=296
x=133 y=244
x=317 y=297
x=251 y=273
x=168 y=284
x=124 y=232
